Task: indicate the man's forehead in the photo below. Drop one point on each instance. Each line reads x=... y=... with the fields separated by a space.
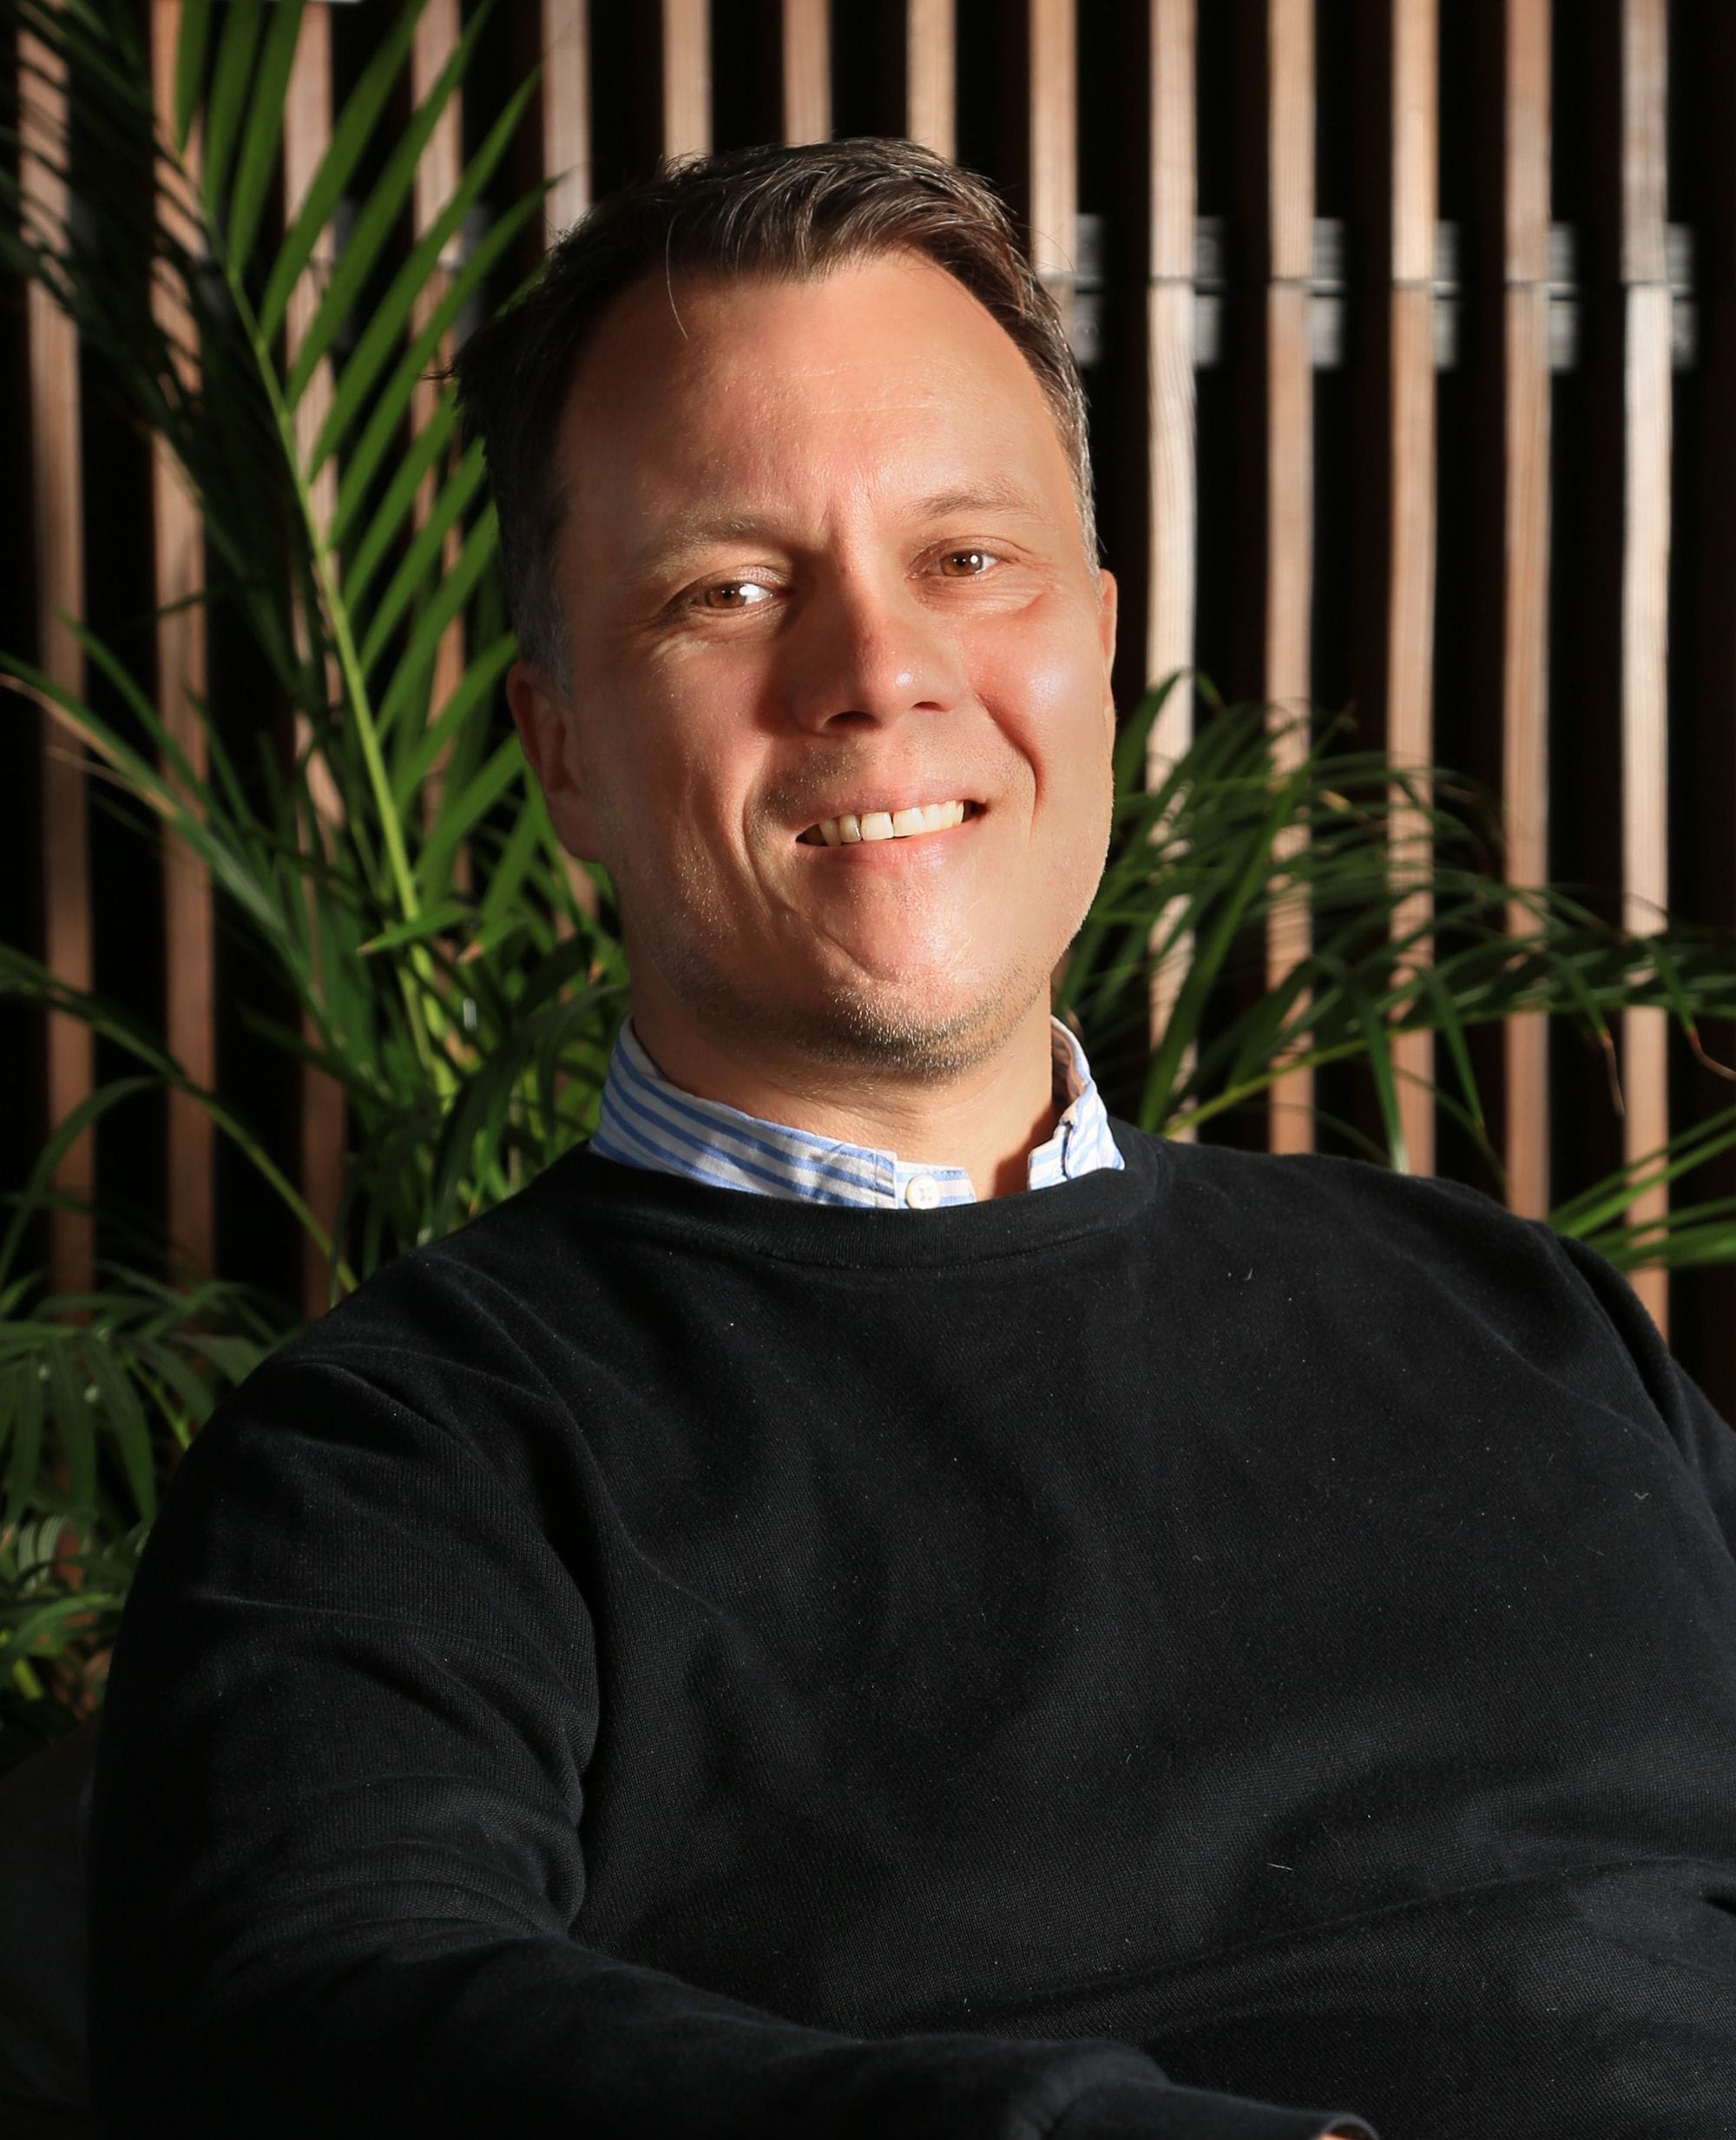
x=864 y=334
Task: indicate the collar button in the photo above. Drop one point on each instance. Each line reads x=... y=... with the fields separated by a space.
x=922 y=1192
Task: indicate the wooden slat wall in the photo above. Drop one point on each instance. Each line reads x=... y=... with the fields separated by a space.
x=1053 y=154
x=1289 y=433
x=1644 y=572
x=59 y=530
x=307 y=135
x=806 y=70
x=438 y=170
x=1172 y=514
x=566 y=113
x=592 y=75
x=930 y=74
x=1524 y=500
x=686 y=77
x=178 y=549
x=1414 y=187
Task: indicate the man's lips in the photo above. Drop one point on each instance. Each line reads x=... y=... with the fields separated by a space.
x=886 y=822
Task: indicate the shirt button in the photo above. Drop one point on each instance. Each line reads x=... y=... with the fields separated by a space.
x=922 y=1192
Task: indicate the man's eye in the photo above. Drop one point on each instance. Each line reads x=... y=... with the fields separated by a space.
x=966 y=564
x=734 y=594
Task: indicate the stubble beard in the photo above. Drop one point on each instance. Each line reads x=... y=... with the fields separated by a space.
x=875 y=1030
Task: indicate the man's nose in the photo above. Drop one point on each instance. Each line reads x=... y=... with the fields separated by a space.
x=862 y=656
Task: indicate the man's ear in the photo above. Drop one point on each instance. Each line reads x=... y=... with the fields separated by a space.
x=1109 y=599
x=545 y=725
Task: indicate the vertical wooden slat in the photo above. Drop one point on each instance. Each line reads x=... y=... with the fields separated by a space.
x=1645 y=579
x=567 y=159
x=190 y=987
x=1054 y=148
x=1525 y=559
x=1170 y=591
x=686 y=77
x=1289 y=433
x=438 y=170
x=931 y=75
x=807 y=70
x=307 y=135
x=1170 y=415
x=57 y=523
x=1410 y=582
x=566 y=114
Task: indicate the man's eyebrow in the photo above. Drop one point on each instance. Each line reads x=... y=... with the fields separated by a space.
x=1000 y=495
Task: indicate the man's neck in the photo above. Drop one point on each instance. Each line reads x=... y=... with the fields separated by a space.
x=988 y=1117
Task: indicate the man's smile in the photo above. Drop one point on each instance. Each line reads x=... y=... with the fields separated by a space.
x=852 y=827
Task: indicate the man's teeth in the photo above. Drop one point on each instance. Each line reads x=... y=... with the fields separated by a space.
x=846 y=830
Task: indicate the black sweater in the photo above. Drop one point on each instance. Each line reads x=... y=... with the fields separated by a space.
x=1092 y=1665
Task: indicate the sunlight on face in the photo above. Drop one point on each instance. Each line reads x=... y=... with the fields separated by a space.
x=822 y=570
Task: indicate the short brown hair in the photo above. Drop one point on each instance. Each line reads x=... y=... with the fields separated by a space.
x=790 y=213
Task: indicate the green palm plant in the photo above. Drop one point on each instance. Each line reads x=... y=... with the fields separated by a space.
x=1407 y=928
x=381 y=850
x=376 y=840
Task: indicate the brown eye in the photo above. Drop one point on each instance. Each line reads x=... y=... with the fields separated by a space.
x=731 y=596
x=966 y=564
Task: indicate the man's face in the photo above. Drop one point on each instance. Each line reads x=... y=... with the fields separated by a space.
x=822 y=561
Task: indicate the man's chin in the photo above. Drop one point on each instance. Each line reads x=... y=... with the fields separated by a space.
x=909 y=1027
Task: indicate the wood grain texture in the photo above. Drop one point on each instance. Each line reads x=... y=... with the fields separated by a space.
x=931 y=75
x=1525 y=707
x=307 y=135
x=1525 y=141
x=178 y=555
x=1645 y=83
x=1527 y=122
x=1646 y=418
x=1286 y=666
x=807 y=70
x=1171 y=427
x=1054 y=149
x=1645 y=733
x=1413 y=88
x=566 y=113
x=438 y=170
x=57 y=528
x=686 y=77
x=1290 y=139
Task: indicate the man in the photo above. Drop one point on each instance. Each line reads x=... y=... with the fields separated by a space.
x=871 y=1601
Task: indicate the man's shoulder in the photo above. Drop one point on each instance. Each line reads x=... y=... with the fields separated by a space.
x=477 y=1296
x=1291 y=1188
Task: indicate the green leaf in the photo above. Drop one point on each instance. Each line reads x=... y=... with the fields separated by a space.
x=74 y=1425
x=469 y=693
x=392 y=317
x=124 y=1416
x=263 y=131
x=375 y=220
x=23 y=1401
x=226 y=109
x=431 y=921
x=423 y=555
x=351 y=138
x=189 y=66
x=380 y=433
x=480 y=794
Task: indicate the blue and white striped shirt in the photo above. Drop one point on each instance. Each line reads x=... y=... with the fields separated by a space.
x=647 y=1122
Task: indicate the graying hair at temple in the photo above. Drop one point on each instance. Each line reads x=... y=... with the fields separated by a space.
x=793 y=214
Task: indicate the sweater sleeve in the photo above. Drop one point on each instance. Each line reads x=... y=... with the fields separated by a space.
x=336 y=1851
x=1704 y=1440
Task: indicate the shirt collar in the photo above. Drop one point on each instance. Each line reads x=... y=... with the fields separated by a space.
x=646 y=1121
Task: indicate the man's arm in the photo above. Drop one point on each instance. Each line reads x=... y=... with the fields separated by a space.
x=337 y=1849
x=1706 y=1439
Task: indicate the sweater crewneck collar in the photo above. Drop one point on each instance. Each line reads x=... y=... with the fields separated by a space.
x=724 y=1222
